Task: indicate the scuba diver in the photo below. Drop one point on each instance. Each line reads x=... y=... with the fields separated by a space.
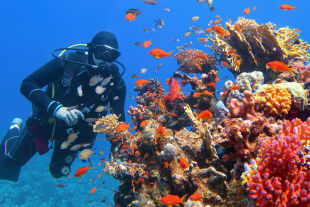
x=81 y=87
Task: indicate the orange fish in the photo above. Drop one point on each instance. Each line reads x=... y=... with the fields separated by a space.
x=287 y=7
x=219 y=30
x=234 y=87
x=146 y=44
x=197 y=94
x=166 y=164
x=172 y=200
x=225 y=64
x=161 y=131
x=144 y=123
x=195 y=197
x=235 y=55
x=246 y=11
x=224 y=94
x=205 y=115
x=183 y=163
x=237 y=28
x=297 y=30
x=206 y=92
x=202 y=56
x=217 y=21
x=216 y=79
x=141 y=82
x=159 y=53
x=230 y=51
x=208 y=30
x=93 y=190
x=198 y=66
x=130 y=17
x=81 y=171
x=212 y=84
x=140 y=180
x=133 y=186
x=202 y=40
x=279 y=66
x=254 y=8
x=122 y=127
x=238 y=62
x=132 y=149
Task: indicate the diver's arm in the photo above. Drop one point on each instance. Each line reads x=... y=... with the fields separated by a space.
x=31 y=85
x=117 y=100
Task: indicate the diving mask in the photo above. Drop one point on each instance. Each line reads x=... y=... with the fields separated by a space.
x=106 y=53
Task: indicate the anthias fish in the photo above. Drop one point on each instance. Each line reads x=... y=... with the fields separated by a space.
x=278 y=66
x=159 y=53
x=81 y=171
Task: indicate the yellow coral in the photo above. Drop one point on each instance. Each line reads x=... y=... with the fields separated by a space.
x=274 y=100
x=203 y=130
x=286 y=38
x=258 y=44
x=107 y=125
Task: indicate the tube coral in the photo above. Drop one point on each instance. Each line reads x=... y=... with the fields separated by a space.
x=274 y=100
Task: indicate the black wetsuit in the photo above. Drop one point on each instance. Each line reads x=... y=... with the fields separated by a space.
x=18 y=147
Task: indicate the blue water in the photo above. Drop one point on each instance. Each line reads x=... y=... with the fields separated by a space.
x=30 y=30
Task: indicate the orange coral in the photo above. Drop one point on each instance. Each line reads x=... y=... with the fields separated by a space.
x=274 y=100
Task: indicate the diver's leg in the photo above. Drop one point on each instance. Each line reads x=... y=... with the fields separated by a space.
x=62 y=159
x=15 y=150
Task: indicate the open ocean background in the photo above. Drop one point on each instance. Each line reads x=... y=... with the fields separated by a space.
x=30 y=30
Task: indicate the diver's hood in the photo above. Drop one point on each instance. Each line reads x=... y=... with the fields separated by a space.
x=104 y=46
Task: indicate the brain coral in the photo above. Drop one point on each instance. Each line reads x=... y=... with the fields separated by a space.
x=280 y=175
x=274 y=100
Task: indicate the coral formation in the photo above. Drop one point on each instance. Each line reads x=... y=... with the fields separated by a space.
x=254 y=45
x=274 y=100
x=250 y=81
x=280 y=175
x=245 y=108
x=107 y=125
x=197 y=149
x=194 y=61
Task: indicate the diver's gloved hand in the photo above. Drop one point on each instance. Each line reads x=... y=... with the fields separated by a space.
x=70 y=117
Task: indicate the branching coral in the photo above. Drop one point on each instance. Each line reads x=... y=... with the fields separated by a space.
x=280 y=176
x=274 y=100
x=195 y=61
x=287 y=40
x=203 y=131
x=107 y=125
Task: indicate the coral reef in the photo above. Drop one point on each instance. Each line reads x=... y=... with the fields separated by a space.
x=249 y=46
x=240 y=137
x=250 y=81
x=194 y=61
x=107 y=125
x=244 y=109
x=280 y=175
x=197 y=149
x=274 y=100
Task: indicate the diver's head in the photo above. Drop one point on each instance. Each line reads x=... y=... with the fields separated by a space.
x=103 y=47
